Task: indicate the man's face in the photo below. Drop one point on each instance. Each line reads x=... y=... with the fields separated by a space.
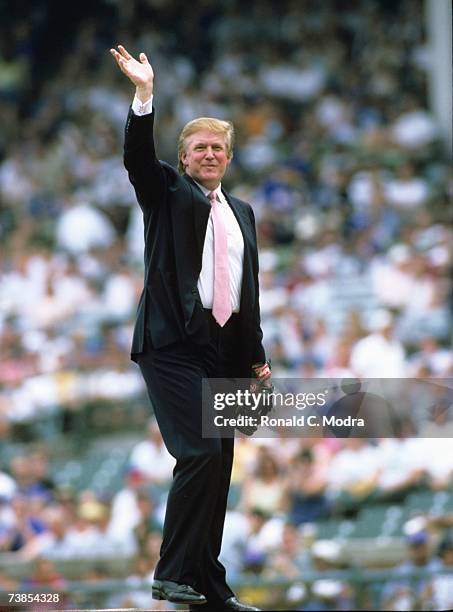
x=420 y=553
x=205 y=158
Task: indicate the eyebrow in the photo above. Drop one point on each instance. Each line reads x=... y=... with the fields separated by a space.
x=203 y=143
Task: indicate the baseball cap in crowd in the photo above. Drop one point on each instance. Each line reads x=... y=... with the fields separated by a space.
x=417 y=538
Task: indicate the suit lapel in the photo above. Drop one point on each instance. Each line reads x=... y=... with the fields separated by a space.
x=249 y=244
x=201 y=210
x=241 y=216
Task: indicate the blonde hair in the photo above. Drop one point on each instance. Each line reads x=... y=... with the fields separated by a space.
x=217 y=126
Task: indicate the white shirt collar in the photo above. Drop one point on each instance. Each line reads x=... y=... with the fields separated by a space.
x=217 y=190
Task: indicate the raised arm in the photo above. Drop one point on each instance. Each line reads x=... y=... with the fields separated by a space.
x=145 y=171
x=140 y=73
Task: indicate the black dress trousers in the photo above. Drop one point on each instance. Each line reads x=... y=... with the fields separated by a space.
x=197 y=500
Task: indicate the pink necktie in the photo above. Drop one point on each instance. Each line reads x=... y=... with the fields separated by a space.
x=221 y=307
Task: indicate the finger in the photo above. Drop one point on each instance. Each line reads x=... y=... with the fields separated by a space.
x=143 y=58
x=122 y=64
x=119 y=59
x=124 y=52
x=116 y=55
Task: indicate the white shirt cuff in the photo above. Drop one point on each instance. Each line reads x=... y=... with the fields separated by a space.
x=142 y=108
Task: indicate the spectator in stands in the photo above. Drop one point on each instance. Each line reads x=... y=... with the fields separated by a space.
x=83 y=227
x=392 y=282
x=438 y=453
x=152 y=545
x=262 y=536
x=93 y=533
x=288 y=560
x=442 y=586
x=380 y=354
x=337 y=366
x=27 y=522
x=407 y=190
x=353 y=475
x=414 y=127
x=126 y=513
x=148 y=524
x=305 y=487
x=55 y=541
x=326 y=593
x=151 y=457
x=258 y=542
x=410 y=594
x=429 y=354
x=86 y=533
x=31 y=480
x=236 y=531
x=40 y=470
x=7 y=486
x=263 y=489
x=402 y=467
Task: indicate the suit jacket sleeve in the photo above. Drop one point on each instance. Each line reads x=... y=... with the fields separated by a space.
x=258 y=352
x=145 y=171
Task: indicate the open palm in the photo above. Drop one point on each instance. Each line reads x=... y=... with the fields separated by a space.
x=139 y=72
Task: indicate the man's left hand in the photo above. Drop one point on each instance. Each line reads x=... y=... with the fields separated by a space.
x=262 y=371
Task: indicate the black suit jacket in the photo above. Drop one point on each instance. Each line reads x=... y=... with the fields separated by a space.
x=176 y=213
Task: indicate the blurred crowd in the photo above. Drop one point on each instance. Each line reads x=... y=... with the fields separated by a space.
x=335 y=149
x=279 y=494
x=344 y=165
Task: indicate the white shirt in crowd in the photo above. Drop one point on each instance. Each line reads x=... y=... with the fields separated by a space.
x=83 y=227
x=378 y=357
x=154 y=461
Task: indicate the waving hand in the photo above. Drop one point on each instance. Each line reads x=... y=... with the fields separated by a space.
x=140 y=73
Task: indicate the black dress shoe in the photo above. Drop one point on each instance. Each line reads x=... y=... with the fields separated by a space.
x=233 y=604
x=230 y=604
x=177 y=593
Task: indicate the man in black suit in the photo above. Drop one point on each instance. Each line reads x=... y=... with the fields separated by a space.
x=184 y=333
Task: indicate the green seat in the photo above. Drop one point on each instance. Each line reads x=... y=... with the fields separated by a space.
x=328 y=529
x=370 y=521
x=419 y=501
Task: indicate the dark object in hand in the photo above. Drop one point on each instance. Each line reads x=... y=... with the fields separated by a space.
x=262 y=390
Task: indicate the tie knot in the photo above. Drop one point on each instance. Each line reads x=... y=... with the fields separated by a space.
x=212 y=197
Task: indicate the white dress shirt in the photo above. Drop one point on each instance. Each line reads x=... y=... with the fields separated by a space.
x=235 y=254
x=234 y=237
